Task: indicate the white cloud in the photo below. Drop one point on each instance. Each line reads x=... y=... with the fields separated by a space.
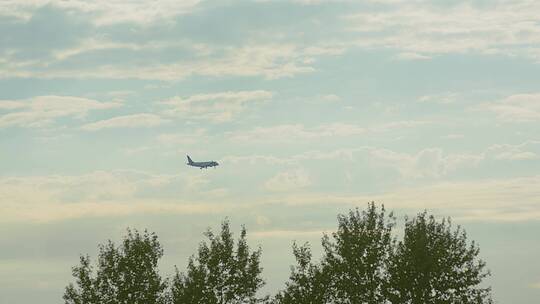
x=343 y=154
x=98 y=194
x=510 y=200
x=427 y=163
x=215 y=107
x=419 y=27
x=137 y=150
x=435 y=163
x=56 y=211
x=444 y=98
x=293 y=132
x=255 y=159
x=424 y=164
x=143 y=120
x=516 y=108
x=10 y=104
x=526 y=151
x=187 y=138
x=399 y=125
x=123 y=193
x=289 y=180
x=269 y=61
x=411 y=56
x=332 y=98
x=93 y=44
x=513 y=199
x=44 y=110
x=103 y=12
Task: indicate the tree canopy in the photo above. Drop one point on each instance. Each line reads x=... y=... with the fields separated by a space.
x=221 y=272
x=308 y=282
x=357 y=254
x=126 y=274
x=434 y=263
x=363 y=262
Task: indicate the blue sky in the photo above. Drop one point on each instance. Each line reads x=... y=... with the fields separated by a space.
x=312 y=107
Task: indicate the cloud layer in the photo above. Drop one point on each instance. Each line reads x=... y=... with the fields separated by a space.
x=41 y=111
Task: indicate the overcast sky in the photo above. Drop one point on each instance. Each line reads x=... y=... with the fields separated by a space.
x=311 y=107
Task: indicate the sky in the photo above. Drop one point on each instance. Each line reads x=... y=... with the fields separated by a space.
x=311 y=107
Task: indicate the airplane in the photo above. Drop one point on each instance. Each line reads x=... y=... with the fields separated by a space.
x=201 y=165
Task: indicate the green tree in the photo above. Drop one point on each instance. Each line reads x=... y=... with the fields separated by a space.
x=308 y=282
x=125 y=275
x=357 y=254
x=220 y=273
x=435 y=264
x=353 y=267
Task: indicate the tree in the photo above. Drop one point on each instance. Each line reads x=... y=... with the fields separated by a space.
x=353 y=267
x=308 y=282
x=362 y=263
x=220 y=273
x=357 y=255
x=125 y=275
x=435 y=264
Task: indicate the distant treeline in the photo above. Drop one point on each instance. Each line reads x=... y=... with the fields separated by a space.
x=363 y=262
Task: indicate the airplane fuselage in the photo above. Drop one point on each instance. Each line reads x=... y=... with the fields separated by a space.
x=202 y=165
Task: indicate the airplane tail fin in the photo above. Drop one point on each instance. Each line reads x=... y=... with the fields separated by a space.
x=189 y=160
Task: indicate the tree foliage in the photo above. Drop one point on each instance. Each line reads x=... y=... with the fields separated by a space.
x=126 y=274
x=435 y=264
x=352 y=269
x=357 y=254
x=221 y=273
x=308 y=282
x=362 y=262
